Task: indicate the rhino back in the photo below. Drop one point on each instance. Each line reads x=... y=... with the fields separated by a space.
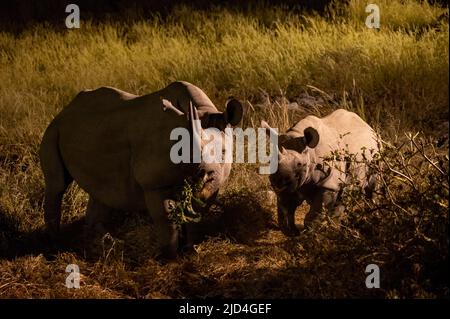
x=354 y=133
x=339 y=130
x=105 y=134
x=328 y=135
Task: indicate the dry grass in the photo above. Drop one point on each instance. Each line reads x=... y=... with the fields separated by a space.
x=395 y=78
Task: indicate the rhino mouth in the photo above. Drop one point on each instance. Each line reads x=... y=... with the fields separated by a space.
x=187 y=205
x=192 y=200
x=279 y=183
x=280 y=188
x=208 y=184
x=207 y=190
x=209 y=180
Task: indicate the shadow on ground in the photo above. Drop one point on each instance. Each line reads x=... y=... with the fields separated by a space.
x=241 y=219
x=16 y=243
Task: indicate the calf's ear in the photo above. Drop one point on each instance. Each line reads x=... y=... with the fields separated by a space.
x=311 y=137
x=292 y=143
x=234 y=112
x=266 y=126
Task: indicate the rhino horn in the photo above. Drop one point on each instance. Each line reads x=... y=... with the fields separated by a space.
x=281 y=149
x=269 y=129
x=281 y=152
x=196 y=127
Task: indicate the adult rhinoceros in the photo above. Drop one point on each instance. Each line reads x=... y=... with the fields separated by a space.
x=306 y=171
x=116 y=146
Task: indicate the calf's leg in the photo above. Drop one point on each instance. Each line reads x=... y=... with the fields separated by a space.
x=316 y=207
x=286 y=215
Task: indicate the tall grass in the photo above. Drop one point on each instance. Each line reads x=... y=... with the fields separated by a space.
x=396 y=78
x=227 y=53
x=408 y=16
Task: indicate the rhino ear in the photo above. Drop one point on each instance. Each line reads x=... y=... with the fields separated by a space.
x=167 y=105
x=293 y=143
x=234 y=111
x=311 y=137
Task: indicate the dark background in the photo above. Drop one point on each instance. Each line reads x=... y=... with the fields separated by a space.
x=17 y=15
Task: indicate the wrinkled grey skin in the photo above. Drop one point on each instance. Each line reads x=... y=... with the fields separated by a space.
x=116 y=146
x=303 y=175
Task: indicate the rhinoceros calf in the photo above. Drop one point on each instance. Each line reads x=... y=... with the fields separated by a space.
x=305 y=172
x=116 y=146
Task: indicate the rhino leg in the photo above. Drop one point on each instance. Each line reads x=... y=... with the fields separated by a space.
x=323 y=201
x=332 y=203
x=336 y=213
x=190 y=236
x=371 y=186
x=57 y=179
x=312 y=216
x=316 y=208
x=96 y=214
x=286 y=215
x=158 y=206
x=52 y=210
